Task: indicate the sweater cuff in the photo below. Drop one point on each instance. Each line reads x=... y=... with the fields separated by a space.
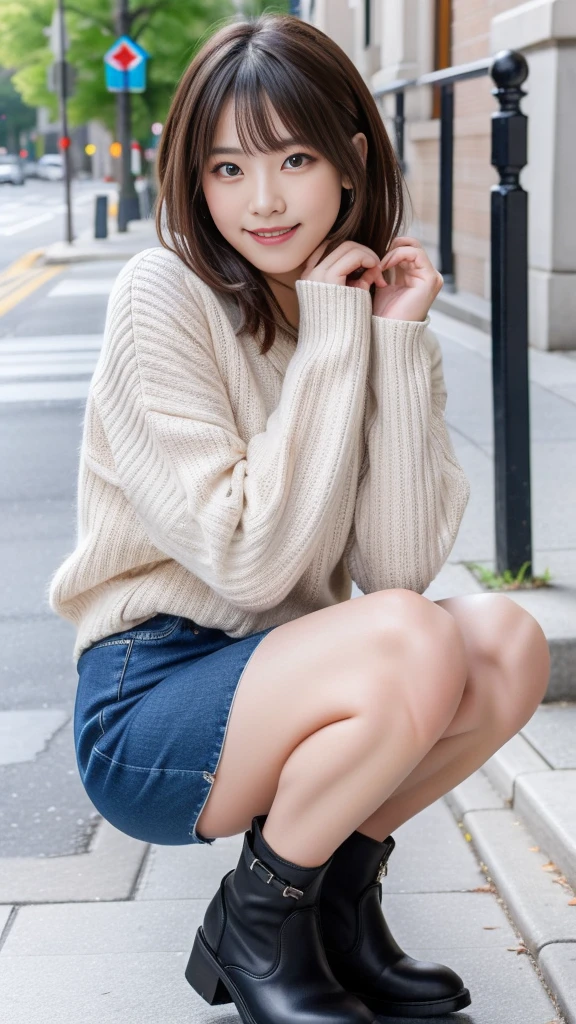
x=331 y=311
x=403 y=330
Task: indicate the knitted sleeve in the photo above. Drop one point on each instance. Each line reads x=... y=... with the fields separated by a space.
x=242 y=515
x=412 y=491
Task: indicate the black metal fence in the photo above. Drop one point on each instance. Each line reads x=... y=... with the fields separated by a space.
x=509 y=279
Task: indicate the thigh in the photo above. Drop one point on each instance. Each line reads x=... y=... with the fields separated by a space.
x=319 y=669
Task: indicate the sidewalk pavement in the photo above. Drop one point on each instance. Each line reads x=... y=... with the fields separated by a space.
x=493 y=897
x=118 y=955
x=117 y=246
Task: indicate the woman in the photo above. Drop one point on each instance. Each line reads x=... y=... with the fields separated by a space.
x=266 y=424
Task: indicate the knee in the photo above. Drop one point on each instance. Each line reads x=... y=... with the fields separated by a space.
x=512 y=640
x=423 y=645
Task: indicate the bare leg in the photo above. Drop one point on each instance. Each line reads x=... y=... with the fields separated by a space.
x=333 y=712
x=508 y=672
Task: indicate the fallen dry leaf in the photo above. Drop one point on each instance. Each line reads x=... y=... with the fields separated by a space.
x=572 y=903
x=561 y=881
x=484 y=888
x=517 y=949
x=490 y=927
x=534 y=849
x=550 y=866
x=467 y=837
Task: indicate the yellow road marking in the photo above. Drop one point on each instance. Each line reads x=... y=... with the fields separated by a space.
x=24 y=263
x=17 y=284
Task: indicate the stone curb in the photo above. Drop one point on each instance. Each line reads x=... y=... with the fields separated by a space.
x=536 y=896
x=140 y=235
x=107 y=872
x=544 y=798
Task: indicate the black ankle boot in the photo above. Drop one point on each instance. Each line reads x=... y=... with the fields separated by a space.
x=363 y=955
x=260 y=947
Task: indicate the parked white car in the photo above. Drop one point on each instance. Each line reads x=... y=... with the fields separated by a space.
x=11 y=169
x=51 y=167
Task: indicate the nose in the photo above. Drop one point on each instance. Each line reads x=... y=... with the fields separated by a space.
x=266 y=198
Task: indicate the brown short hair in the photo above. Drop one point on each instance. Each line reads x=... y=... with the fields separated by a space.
x=322 y=100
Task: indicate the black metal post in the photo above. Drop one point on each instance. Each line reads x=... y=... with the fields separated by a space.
x=399 y=129
x=101 y=217
x=446 y=197
x=62 y=97
x=509 y=274
x=128 y=205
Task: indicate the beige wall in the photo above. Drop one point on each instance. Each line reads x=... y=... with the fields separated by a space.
x=403 y=47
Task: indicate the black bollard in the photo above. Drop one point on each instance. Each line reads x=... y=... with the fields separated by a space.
x=509 y=275
x=101 y=219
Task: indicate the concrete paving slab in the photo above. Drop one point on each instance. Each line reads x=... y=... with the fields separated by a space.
x=150 y=988
x=453 y=579
x=474 y=794
x=431 y=856
x=107 y=872
x=187 y=872
x=476 y=536
x=465 y=920
x=538 y=905
x=24 y=734
x=68 y=929
x=547 y=803
x=4 y=915
x=504 y=987
x=558 y=965
x=517 y=757
x=552 y=732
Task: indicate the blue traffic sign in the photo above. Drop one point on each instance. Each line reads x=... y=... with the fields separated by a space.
x=125 y=64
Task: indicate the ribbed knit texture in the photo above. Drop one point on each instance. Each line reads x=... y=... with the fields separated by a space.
x=244 y=490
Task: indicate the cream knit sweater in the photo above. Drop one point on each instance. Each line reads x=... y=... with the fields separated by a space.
x=244 y=490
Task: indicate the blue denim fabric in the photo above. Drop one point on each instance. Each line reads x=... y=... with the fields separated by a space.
x=150 y=718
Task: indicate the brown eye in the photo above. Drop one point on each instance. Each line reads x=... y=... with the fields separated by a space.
x=218 y=166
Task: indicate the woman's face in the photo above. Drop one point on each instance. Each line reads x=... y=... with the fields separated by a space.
x=289 y=187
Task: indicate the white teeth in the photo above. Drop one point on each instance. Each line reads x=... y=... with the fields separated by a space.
x=272 y=234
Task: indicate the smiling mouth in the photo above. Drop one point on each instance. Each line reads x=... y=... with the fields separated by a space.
x=273 y=232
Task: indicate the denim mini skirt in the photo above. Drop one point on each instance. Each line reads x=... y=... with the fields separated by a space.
x=150 y=718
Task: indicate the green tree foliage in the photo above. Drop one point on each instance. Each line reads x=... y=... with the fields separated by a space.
x=170 y=30
x=15 y=116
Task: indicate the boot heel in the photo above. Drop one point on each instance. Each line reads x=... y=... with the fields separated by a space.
x=202 y=976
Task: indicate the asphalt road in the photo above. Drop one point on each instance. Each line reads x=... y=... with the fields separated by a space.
x=49 y=345
x=33 y=215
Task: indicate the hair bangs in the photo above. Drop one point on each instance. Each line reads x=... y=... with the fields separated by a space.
x=272 y=63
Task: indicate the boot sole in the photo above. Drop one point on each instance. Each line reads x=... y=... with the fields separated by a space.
x=208 y=978
x=433 y=1008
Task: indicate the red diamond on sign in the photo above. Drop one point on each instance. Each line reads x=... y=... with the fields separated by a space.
x=124 y=56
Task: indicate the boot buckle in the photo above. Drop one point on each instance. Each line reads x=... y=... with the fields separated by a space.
x=382 y=871
x=277 y=883
x=269 y=873
x=290 y=890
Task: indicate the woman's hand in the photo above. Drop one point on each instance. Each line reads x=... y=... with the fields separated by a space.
x=411 y=282
x=349 y=257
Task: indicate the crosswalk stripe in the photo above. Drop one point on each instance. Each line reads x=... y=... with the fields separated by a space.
x=56 y=368
x=77 y=286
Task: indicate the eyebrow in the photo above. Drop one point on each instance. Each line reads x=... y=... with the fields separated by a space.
x=282 y=144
